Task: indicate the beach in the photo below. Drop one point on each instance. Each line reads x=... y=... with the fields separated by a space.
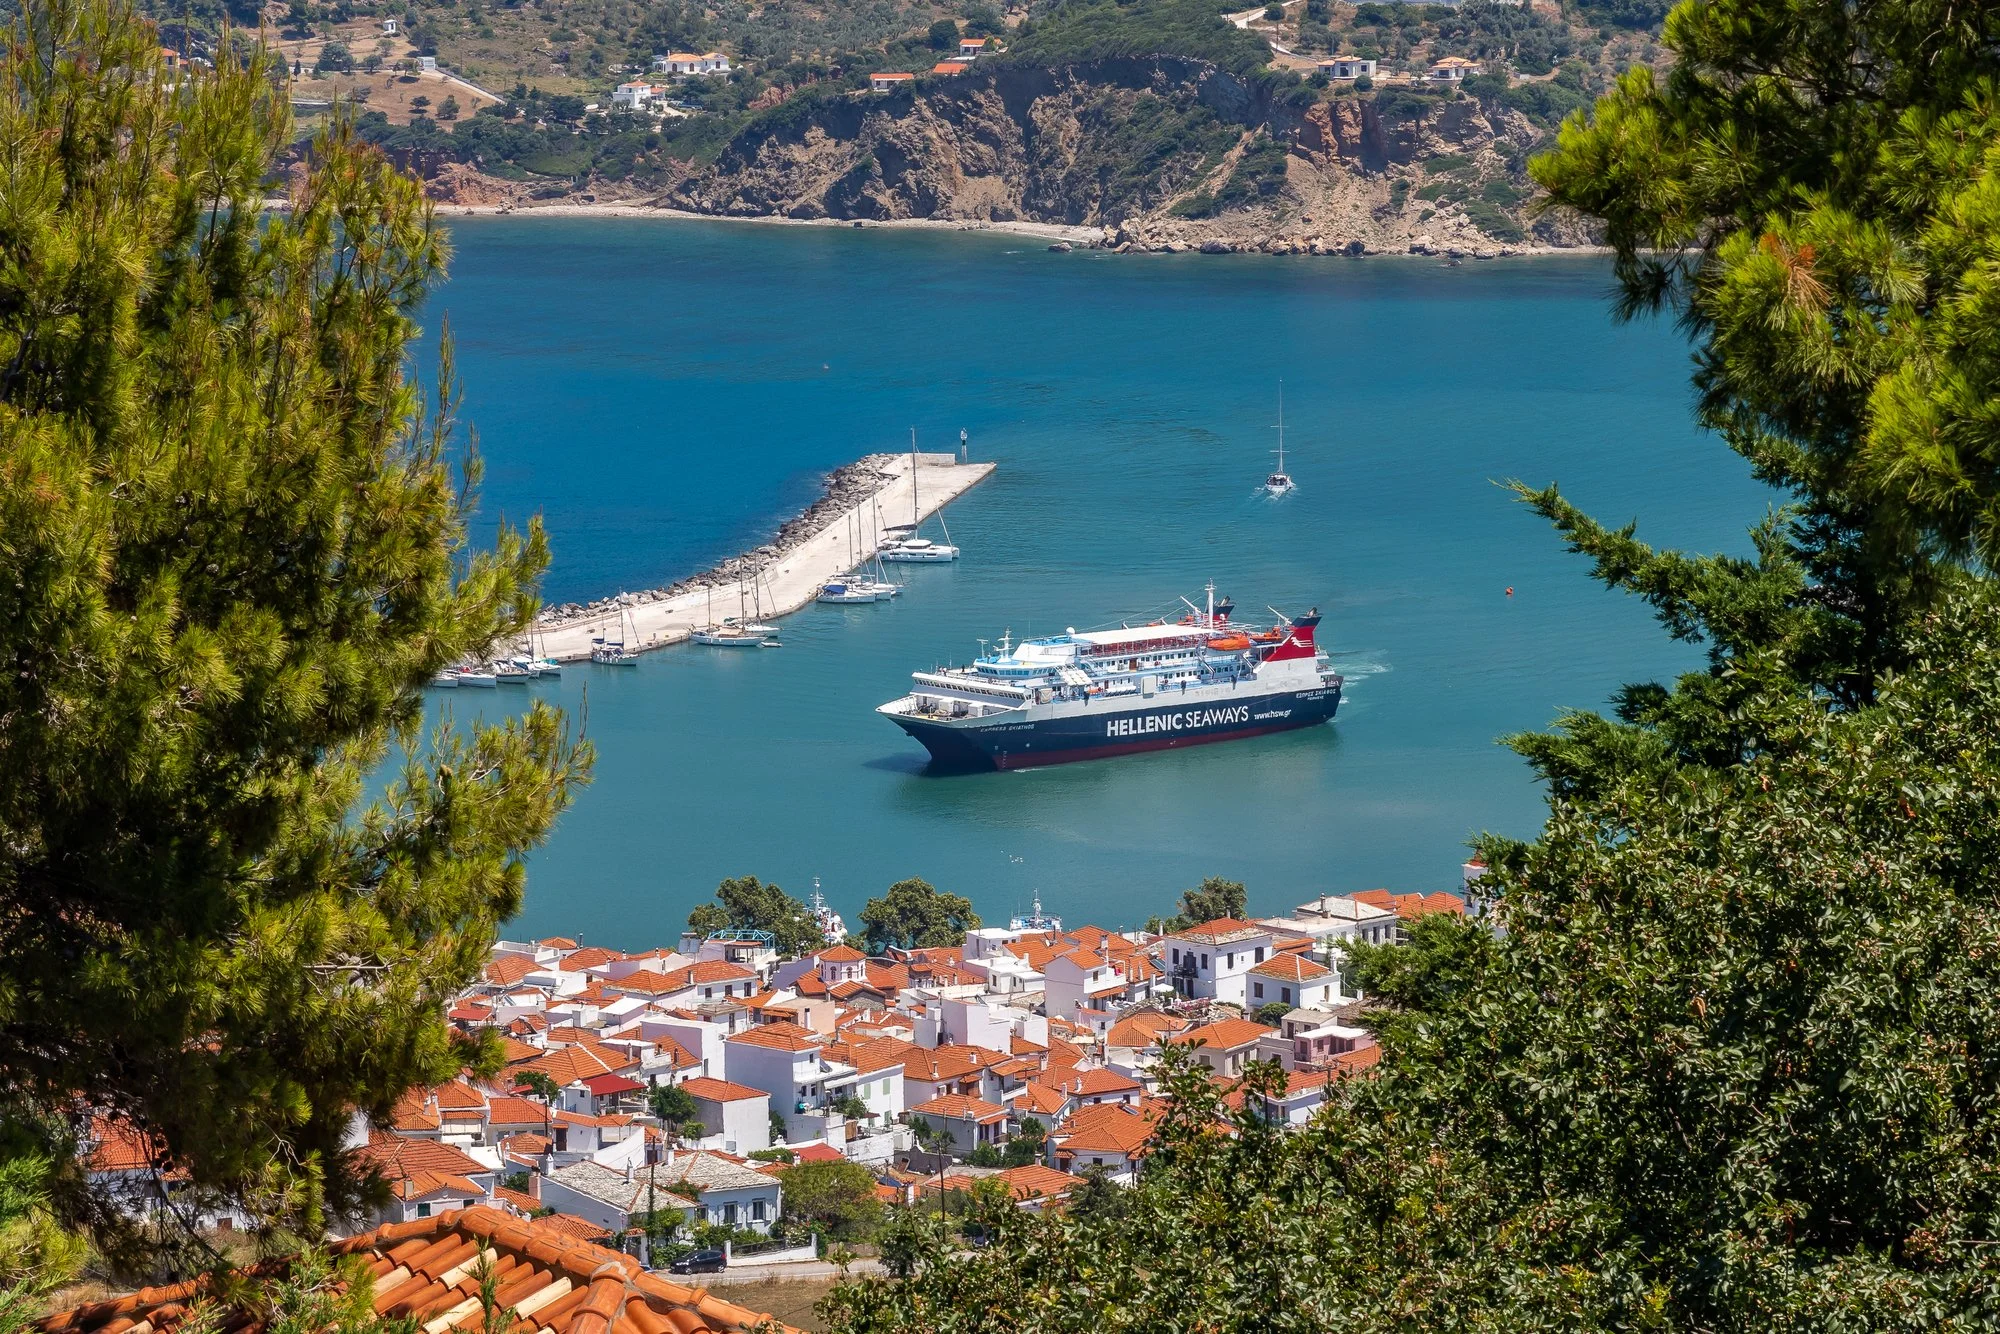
x=820 y=545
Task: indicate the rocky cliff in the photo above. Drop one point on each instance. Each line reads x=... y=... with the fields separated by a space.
x=1161 y=153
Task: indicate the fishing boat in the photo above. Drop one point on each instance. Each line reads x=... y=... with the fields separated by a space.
x=841 y=592
x=1279 y=482
x=472 y=676
x=507 y=674
x=911 y=549
x=536 y=667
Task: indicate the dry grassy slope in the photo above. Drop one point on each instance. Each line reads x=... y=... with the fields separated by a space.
x=1017 y=144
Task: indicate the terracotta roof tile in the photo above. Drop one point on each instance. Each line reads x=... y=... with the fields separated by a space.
x=840 y=954
x=1292 y=968
x=961 y=1107
x=782 y=1035
x=1035 y=1181
x=720 y=1090
x=1224 y=1034
x=558 y=1283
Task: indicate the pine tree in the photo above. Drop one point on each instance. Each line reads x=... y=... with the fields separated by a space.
x=233 y=551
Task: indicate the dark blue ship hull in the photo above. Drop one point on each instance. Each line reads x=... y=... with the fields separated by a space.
x=1098 y=733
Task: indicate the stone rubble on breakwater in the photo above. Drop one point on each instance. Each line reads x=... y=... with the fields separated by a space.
x=846 y=487
x=806 y=552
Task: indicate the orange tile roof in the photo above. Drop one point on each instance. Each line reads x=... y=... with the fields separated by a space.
x=950 y=67
x=590 y=956
x=1225 y=1034
x=118 y=1146
x=1034 y=1182
x=961 y=1107
x=948 y=1062
x=558 y=943
x=1096 y=1083
x=888 y=976
x=1142 y=1029
x=844 y=953
x=509 y=968
x=720 y=1090
x=1409 y=907
x=520 y=1199
x=569 y=1225
x=1110 y=1127
x=513 y=1053
x=552 y=1281
x=1292 y=968
x=571 y=1065
x=1041 y=1100
x=783 y=1035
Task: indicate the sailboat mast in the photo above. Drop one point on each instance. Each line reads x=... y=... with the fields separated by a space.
x=916 y=512
x=1281 y=426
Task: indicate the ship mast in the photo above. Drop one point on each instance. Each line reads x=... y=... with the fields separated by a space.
x=916 y=512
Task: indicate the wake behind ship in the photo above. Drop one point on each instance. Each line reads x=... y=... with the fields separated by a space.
x=1091 y=694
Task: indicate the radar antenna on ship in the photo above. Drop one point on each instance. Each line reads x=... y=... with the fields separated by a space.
x=1037 y=920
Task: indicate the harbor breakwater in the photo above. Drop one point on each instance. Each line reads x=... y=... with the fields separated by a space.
x=826 y=539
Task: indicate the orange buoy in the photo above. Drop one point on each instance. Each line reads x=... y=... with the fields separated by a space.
x=1510 y=590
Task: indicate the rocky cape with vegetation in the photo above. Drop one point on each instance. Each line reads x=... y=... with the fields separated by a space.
x=1161 y=153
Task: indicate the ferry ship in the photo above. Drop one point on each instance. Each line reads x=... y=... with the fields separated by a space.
x=1092 y=694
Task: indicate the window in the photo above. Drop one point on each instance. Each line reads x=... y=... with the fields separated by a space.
x=707 y=992
x=1260 y=954
x=1177 y=956
x=729 y=1214
x=1259 y=987
x=757 y=1210
x=1204 y=961
x=1285 y=995
x=1230 y=962
x=423 y=1211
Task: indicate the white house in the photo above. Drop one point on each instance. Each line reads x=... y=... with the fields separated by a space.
x=1347 y=67
x=735 y=1114
x=970 y=48
x=427 y=64
x=1344 y=917
x=805 y=1081
x=1224 y=1046
x=727 y=1192
x=889 y=83
x=1213 y=961
x=1111 y=1138
x=390 y=27
x=1454 y=69
x=634 y=96
x=687 y=64
x=615 y=1198
x=1294 y=981
x=1080 y=980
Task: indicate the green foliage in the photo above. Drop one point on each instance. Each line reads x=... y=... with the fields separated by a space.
x=1271 y=1015
x=1026 y=1145
x=985 y=1155
x=1137 y=150
x=943 y=36
x=1639 y=15
x=334 y=58
x=1399 y=106
x=672 y=1104
x=835 y=1196
x=1491 y=219
x=773 y=1155
x=913 y=915
x=237 y=553
x=1085 y=30
x=1213 y=899
x=745 y=903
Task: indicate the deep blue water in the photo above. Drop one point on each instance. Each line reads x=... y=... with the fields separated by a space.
x=665 y=393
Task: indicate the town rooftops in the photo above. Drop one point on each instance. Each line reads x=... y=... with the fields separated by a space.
x=1111 y=1127
x=1097 y=1083
x=707 y=1171
x=961 y=1107
x=550 y=1281
x=1222 y=931
x=1040 y=1100
x=1142 y=1029
x=572 y=1227
x=1223 y=1034
x=612 y=1187
x=606 y=1086
x=1409 y=907
x=720 y=1090
x=783 y=1036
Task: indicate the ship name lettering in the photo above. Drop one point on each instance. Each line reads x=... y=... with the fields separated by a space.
x=1177 y=722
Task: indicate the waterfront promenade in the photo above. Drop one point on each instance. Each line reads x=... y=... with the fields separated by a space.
x=791 y=579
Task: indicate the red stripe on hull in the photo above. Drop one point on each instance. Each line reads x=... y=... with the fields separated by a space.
x=1135 y=747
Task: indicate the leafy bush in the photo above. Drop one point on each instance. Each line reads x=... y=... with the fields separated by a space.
x=1496 y=224
x=1103 y=30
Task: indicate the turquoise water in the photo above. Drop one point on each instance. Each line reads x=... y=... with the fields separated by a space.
x=665 y=393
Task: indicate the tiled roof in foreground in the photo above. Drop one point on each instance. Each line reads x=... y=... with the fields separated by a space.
x=423 y=1269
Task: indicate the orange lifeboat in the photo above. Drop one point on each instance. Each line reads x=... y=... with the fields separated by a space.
x=1267 y=636
x=1230 y=643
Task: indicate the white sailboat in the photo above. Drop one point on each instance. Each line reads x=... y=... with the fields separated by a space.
x=612 y=652
x=912 y=549
x=726 y=633
x=1279 y=482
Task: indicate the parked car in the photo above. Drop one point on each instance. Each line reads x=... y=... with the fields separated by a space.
x=701 y=1262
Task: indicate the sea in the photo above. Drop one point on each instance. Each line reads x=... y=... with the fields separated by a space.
x=664 y=393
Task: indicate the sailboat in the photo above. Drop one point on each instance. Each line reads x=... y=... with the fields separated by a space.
x=1280 y=481
x=727 y=633
x=913 y=549
x=878 y=582
x=612 y=652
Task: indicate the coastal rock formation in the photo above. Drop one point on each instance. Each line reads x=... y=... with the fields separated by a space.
x=1164 y=153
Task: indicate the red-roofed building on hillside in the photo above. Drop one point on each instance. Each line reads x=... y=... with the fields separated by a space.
x=736 y=1117
x=550 y=1283
x=1294 y=981
x=970 y=1122
x=424 y=1177
x=1226 y=1045
x=1112 y=1138
x=1095 y=979
x=1409 y=907
x=1213 y=961
x=1036 y=1187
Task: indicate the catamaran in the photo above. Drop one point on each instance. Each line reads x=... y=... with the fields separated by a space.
x=911 y=549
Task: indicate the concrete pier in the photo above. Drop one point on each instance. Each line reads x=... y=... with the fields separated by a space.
x=791 y=579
